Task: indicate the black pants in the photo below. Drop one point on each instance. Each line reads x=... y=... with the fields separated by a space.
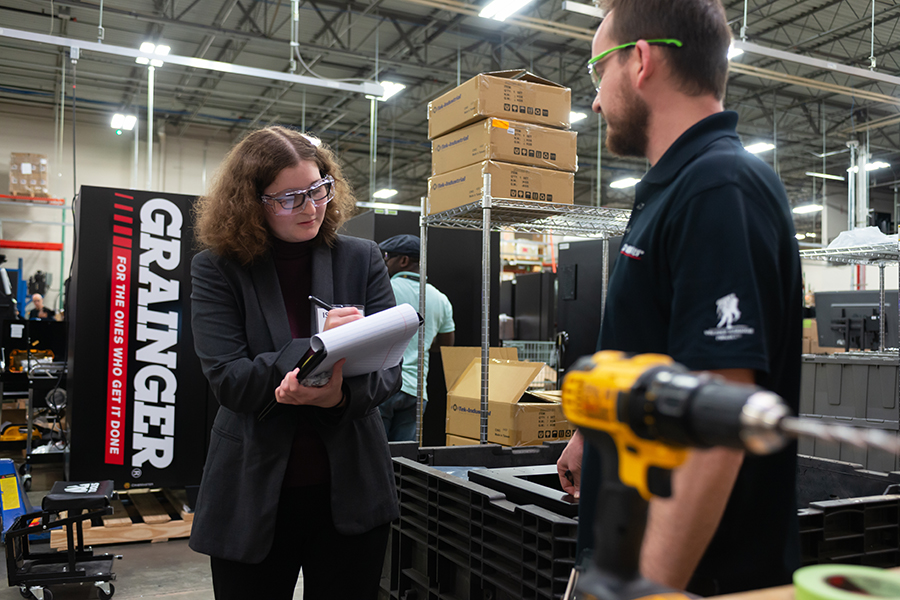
x=335 y=566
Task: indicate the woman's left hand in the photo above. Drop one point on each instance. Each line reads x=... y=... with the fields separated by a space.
x=330 y=395
x=341 y=316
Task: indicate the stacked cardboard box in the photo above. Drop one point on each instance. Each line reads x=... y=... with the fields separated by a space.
x=511 y=124
x=28 y=175
x=516 y=416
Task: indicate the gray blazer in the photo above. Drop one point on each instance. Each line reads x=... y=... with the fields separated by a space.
x=243 y=339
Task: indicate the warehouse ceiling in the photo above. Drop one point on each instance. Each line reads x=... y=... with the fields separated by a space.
x=432 y=45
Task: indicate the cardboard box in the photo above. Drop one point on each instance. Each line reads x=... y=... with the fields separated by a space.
x=506 y=141
x=455 y=440
x=515 y=417
x=463 y=186
x=456 y=358
x=515 y=95
x=28 y=175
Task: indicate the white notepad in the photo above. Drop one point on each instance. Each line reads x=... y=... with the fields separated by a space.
x=369 y=344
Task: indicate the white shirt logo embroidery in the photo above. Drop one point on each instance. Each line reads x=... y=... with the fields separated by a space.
x=728 y=313
x=631 y=251
x=727 y=309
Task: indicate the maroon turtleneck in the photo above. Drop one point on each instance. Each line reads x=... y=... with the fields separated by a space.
x=308 y=463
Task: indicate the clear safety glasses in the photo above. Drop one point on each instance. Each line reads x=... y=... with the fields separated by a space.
x=291 y=201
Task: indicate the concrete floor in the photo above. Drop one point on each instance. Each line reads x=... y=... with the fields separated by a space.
x=147 y=570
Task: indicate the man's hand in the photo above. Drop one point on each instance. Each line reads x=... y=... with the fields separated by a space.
x=291 y=391
x=569 y=465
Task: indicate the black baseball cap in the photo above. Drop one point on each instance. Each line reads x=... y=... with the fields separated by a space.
x=405 y=244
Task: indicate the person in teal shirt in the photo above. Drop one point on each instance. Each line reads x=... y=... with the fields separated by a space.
x=401 y=254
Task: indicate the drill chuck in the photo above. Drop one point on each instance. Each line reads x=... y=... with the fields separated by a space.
x=674 y=406
x=663 y=402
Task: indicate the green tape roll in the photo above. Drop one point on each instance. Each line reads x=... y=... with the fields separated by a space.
x=845 y=582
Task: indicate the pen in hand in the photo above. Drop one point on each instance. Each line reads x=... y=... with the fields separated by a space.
x=321 y=303
x=335 y=320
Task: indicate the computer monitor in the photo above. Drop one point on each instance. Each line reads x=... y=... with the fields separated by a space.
x=850 y=320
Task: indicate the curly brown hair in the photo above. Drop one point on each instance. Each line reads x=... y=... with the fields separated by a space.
x=229 y=219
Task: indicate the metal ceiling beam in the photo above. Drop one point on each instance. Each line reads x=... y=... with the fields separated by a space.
x=876 y=124
x=812 y=83
x=365 y=87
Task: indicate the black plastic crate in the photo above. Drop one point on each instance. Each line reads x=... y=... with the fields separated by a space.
x=456 y=540
x=538 y=485
x=821 y=479
x=509 y=532
x=864 y=531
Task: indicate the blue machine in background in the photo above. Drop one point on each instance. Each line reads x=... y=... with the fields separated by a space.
x=13 y=499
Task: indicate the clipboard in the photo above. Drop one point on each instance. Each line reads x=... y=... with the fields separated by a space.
x=307 y=365
x=369 y=344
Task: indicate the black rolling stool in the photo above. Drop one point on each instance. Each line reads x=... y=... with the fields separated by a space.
x=33 y=573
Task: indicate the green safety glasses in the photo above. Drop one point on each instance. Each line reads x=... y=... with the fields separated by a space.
x=594 y=64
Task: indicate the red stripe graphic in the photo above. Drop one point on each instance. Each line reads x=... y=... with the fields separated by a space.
x=121 y=241
x=118 y=195
x=123 y=206
x=119 y=305
x=122 y=230
x=122 y=219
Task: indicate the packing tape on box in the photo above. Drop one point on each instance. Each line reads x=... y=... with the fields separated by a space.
x=845 y=582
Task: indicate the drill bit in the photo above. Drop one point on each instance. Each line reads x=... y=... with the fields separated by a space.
x=861 y=437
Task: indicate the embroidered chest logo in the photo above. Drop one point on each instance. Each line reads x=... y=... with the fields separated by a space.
x=728 y=313
x=631 y=251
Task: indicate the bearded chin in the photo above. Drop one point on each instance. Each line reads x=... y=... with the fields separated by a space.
x=626 y=135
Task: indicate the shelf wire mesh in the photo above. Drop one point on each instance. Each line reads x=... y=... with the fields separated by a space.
x=535 y=217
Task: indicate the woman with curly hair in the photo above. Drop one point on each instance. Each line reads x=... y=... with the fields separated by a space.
x=311 y=484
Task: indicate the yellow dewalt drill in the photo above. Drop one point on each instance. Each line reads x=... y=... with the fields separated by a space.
x=642 y=413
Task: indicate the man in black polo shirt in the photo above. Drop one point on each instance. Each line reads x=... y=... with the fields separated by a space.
x=709 y=274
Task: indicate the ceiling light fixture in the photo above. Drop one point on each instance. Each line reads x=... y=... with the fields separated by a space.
x=825 y=176
x=734 y=52
x=500 y=10
x=872 y=166
x=574 y=117
x=384 y=194
x=121 y=122
x=151 y=48
x=816 y=63
x=624 y=183
x=584 y=9
x=806 y=209
x=759 y=147
x=390 y=89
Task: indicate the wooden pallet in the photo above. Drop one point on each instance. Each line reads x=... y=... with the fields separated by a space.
x=138 y=516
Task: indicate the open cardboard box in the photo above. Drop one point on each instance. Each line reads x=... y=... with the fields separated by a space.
x=516 y=417
x=515 y=95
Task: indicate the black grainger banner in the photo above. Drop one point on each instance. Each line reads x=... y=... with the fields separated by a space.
x=137 y=396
